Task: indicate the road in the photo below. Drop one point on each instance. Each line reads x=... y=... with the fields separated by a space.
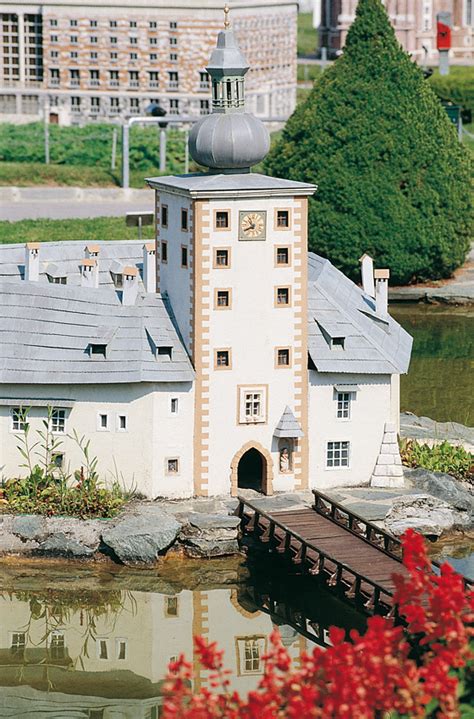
x=31 y=203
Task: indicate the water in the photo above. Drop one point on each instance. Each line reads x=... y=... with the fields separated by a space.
x=94 y=643
x=440 y=380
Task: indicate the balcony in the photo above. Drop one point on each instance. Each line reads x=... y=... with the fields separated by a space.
x=134 y=110
x=74 y=82
x=53 y=82
x=95 y=109
x=154 y=84
x=114 y=110
x=173 y=85
x=134 y=83
x=76 y=109
x=114 y=83
x=204 y=87
x=94 y=83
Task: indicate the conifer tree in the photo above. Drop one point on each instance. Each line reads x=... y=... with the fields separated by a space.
x=393 y=179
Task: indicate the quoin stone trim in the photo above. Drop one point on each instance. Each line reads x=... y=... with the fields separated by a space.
x=300 y=347
x=201 y=351
x=200 y=629
x=267 y=479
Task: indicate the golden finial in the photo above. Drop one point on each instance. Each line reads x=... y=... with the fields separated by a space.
x=226 y=16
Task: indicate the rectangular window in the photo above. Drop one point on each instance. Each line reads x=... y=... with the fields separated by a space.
x=153 y=57
x=133 y=56
x=103 y=650
x=222 y=359
x=283 y=219
x=53 y=38
x=57 y=645
x=171 y=606
x=94 y=40
x=283 y=357
x=337 y=343
x=173 y=80
x=204 y=80
x=122 y=423
x=113 y=23
x=337 y=454
x=164 y=215
x=18 y=642
x=94 y=55
x=164 y=252
x=343 y=405
x=222 y=299
x=133 y=23
x=121 y=649
x=103 y=421
x=173 y=57
x=173 y=40
x=282 y=256
x=53 y=23
x=174 y=405
x=113 y=40
x=222 y=220
x=113 y=55
x=153 y=25
x=184 y=256
x=172 y=465
x=73 y=23
x=174 y=107
x=250 y=651
x=73 y=39
x=184 y=220
x=164 y=354
x=153 y=40
x=253 y=405
x=58 y=421
x=97 y=350
x=282 y=296
x=19 y=419
x=221 y=258
x=133 y=41
x=173 y=25
x=93 y=23
x=54 y=54
x=58 y=460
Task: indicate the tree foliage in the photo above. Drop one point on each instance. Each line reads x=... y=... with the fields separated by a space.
x=392 y=178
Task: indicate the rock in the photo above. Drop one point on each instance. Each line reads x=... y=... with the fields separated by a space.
x=443 y=486
x=61 y=545
x=197 y=547
x=86 y=532
x=210 y=535
x=12 y=544
x=30 y=526
x=138 y=540
x=426 y=514
x=424 y=429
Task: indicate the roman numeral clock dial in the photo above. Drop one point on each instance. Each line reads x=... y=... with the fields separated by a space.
x=252 y=225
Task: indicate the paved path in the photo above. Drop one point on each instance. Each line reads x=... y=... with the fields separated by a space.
x=30 y=203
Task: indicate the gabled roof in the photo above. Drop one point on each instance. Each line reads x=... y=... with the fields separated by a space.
x=63 y=259
x=46 y=331
x=337 y=307
x=288 y=426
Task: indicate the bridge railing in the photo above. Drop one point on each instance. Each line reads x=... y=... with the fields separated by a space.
x=355 y=586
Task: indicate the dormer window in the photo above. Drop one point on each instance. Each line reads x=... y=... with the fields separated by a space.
x=164 y=354
x=97 y=350
x=337 y=343
x=57 y=280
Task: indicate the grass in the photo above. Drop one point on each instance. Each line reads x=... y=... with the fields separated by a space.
x=24 y=174
x=307 y=35
x=99 y=228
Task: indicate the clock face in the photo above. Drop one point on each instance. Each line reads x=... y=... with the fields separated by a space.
x=252 y=225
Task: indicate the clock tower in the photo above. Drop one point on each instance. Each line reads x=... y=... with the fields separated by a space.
x=232 y=260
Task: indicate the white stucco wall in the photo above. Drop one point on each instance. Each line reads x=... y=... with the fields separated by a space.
x=136 y=457
x=371 y=407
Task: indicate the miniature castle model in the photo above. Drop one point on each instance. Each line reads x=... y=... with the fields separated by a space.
x=223 y=356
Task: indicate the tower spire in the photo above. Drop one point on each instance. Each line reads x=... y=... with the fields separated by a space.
x=229 y=139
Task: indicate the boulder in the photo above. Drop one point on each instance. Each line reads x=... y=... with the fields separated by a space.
x=86 y=532
x=426 y=514
x=210 y=535
x=62 y=545
x=12 y=544
x=139 y=540
x=443 y=486
x=30 y=527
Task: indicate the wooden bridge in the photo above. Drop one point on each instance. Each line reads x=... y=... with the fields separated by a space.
x=352 y=555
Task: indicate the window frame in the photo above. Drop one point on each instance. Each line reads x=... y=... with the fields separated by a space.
x=218 y=367
x=227 y=227
x=164 y=209
x=242 y=391
x=278 y=365
x=341 y=408
x=58 y=419
x=282 y=228
x=184 y=220
x=216 y=265
x=164 y=257
x=172 y=405
x=16 y=417
x=119 y=416
x=278 y=304
x=218 y=306
x=168 y=471
x=184 y=257
x=100 y=426
x=278 y=248
x=240 y=648
x=339 y=449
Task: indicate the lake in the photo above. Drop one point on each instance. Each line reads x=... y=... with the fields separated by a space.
x=94 y=643
x=440 y=381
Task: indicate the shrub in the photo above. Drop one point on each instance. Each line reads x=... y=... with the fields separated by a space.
x=442 y=457
x=457 y=87
x=388 y=672
x=393 y=179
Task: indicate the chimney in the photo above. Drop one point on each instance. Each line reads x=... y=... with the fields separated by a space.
x=89 y=273
x=367 y=272
x=130 y=285
x=149 y=267
x=32 y=261
x=381 y=291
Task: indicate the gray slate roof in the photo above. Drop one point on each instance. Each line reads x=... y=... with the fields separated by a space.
x=45 y=331
x=205 y=184
x=288 y=426
x=337 y=307
x=63 y=258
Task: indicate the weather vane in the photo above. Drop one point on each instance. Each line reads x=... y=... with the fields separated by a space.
x=226 y=15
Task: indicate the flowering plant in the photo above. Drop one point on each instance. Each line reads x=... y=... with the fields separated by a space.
x=389 y=671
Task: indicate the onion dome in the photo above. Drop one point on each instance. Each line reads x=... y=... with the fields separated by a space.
x=229 y=139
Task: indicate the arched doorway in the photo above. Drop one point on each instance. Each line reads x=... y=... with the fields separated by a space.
x=252 y=468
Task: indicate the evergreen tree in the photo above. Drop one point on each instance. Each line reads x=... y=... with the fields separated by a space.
x=393 y=179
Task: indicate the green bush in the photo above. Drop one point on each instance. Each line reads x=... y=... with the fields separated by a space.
x=392 y=178
x=442 y=457
x=457 y=87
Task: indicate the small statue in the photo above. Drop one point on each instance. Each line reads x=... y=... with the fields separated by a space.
x=284 y=460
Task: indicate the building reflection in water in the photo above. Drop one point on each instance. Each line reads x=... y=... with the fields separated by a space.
x=103 y=655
